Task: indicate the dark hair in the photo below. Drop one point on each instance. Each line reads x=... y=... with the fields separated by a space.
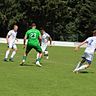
x=33 y=24
x=94 y=31
x=42 y=28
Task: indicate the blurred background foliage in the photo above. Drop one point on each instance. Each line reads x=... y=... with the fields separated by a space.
x=64 y=20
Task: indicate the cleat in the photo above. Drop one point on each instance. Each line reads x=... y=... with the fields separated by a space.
x=38 y=64
x=5 y=59
x=75 y=71
x=22 y=63
x=11 y=59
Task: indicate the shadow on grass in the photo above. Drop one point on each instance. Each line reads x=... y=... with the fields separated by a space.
x=85 y=72
x=28 y=65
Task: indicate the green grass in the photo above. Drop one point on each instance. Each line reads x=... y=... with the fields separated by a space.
x=54 y=78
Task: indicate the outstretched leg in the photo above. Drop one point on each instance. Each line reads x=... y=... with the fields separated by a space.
x=82 y=67
x=80 y=64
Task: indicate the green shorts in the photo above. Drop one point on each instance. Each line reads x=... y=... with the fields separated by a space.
x=37 y=47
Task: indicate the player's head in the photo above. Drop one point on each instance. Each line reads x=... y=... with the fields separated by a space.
x=33 y=25
x=94 y=33
x=15 y=28
x=42 y=31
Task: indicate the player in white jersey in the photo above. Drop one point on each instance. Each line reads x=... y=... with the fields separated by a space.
x=88 y=53
x=44 y=42
x=11 y=37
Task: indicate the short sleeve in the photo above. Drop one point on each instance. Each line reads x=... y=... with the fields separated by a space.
x=88 y=39
x=9 y=33
x=47 y=35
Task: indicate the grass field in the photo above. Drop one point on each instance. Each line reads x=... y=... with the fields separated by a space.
x=54 y=78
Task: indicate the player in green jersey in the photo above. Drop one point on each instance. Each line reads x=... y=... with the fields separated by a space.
x=34 y=38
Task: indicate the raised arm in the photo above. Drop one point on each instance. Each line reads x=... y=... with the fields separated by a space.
x=77 y=47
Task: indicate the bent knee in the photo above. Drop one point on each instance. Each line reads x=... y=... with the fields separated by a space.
x=88 y=65
x=9 y=49
x=16 y=49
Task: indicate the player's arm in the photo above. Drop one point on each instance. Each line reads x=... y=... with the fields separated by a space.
x=77 y=47
x=8 y=35
x=24 y=42
x=7 y=39
x=40 y=38
x=25 y=38
x=50 y=39
x=16 y=39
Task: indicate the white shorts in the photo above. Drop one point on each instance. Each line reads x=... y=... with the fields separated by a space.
x=12 y=46
x=88 y=57
x=44 y=47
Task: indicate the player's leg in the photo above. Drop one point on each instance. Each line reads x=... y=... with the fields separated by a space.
x=7 y=52
x=13 y=53
x=28 y=49
x=37 y=49
x=88 y=58
x=83 y=67
x=80 y=63
x=39 y=59
x=39 y=55
x=46 y=53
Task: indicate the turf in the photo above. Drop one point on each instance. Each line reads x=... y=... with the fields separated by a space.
x=54 y=78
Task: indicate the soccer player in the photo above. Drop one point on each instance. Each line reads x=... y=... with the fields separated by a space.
x=34 y=37
x=88 y=54
x=11 y=37
x=44 y=42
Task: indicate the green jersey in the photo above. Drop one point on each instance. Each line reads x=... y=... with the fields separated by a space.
x=33 y=35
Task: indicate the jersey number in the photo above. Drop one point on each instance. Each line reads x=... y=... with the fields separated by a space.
x=33 y=35
x=90 y=42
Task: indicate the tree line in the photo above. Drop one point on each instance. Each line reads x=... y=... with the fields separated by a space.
x=65 y=20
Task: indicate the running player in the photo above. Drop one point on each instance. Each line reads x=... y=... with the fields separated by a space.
x=34 y=38
x=44 y=42
x=88 y=54
x=11 y=37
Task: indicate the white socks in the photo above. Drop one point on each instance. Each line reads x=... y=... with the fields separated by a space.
x=78 y=65
x=81 y=68
x=37 y=55
x=13 y=53
x=7 y=53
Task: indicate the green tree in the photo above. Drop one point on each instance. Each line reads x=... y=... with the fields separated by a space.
x=69 y=20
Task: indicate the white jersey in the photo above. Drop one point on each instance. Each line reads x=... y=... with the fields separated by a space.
x=91 y=46
x=45 y=38
x=11 y=36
